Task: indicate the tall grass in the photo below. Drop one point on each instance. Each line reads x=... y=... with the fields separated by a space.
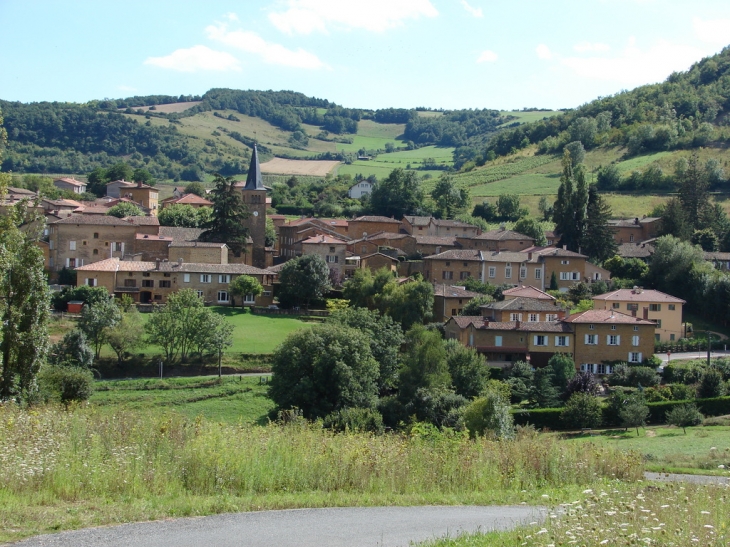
x=86 y=453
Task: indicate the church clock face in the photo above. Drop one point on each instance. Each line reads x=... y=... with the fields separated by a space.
x=255 y=213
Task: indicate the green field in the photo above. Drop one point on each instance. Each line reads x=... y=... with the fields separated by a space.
x=382 y=165
x=528 y=116
x=232 y=399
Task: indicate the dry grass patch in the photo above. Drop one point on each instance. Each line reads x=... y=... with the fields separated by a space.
x=281 y=166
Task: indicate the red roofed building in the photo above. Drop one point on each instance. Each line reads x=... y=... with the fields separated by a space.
x=332 y=250
x=187 y=199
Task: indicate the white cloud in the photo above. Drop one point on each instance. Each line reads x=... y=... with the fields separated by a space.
x=271 y=53
x=588 y=46
x=487 y=56
x=633 y=66
x=194 y=59
x=543 y=52
x=231 y=17
x=712 y=31
x=307 y=16
x=476 y=12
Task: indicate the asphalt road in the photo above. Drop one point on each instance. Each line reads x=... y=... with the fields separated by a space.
x=679 y=477
x=331 y=527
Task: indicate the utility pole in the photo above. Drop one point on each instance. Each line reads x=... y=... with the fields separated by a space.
x=709 y=347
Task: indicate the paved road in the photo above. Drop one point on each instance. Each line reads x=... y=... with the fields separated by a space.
x=680 y=477
x=332 y=527
x=693 y=355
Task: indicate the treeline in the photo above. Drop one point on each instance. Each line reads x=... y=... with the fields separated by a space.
x=454 y=128
x=685 y=111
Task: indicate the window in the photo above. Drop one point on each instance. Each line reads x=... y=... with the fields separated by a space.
x=224 y=278
x=591 y=340
x=616 y=305
x=613 y=340
x=591 y=327
x=96 y=235
x=538 y=273
x=166 y=275
x=95 y=252
x=540 y=340
x=565 y=262
x=200 y=294
x=655 y=307
x=658 y=323
x=332 y=259
x=222 y=296
x=448 y=263
x=149 y=283
x=447 y=275
x=523 y=273
x=206 y=278
x=636 y=329
x=464 y=275
x=613 y=327
x=672 y=307
x=158 y=297
x=634 y=340
x=186 y=278
x=117 y=246
x=130 y=282
x=364 y=249
x=71 y=245
x=165 y=284
x=146 y=274
x=249 y=299
x=453 y=311
x=492 y=271
x=671 y=337
x=561 y=341
x=569 y=276
x=657 y=338
x=515 y=317
x=332 y=249
x=508 y=271
x=50 y=244
x=498 y=341
x=631 y=238
x=634 y=357
x=84 y=242
x=90 y=281
x=551 y=316
x=603 y=369
x=465 y=264
x=534 y=317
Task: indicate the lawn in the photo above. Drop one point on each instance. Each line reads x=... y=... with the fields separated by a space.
x=232 y=399
x=668 y=449
x=258 y=333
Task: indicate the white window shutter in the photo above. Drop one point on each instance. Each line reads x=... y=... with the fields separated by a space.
x=640 y=358
x=557 y=340
x=68 y=262
x=608 y=339
x=586 y=339
x=201 y=278
x=618 y=339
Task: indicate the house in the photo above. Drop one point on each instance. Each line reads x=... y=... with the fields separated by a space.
x=373 y=243
x=198 y=252
x=449 y=300
x=116 y=188
x=568 y=267
x=526 y=291
x=430 y=245
x=294 y=232
x=496 y=267
x=497 y=240
x=70 y=185
x=531 y=310
x=634 y=230
x=360 y=189
x=153 y=282
x=332 y=250
x=642 y=250
x=365 y=225
x=429 y=226
x=663 y=309
x=193 y=200
x=143 y=194
x=721 y=261
x=603 y=337
x=452 y=266
x=378 y=261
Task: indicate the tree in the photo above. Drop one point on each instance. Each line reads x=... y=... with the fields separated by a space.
x=125 y=209
x=72 y=351
x=144 y=176
x=508 y=207
x=546 y=210
x=530 y=227
x=424 y=364
x=674 y=220
x=582 y=382
x=119 y=171
x=570 y=209
x=407 y=303
x=175 y=326
x=672 y=263
x=96 y=319
x=634 y=413
x=563 y=368
x=215 y=337
x=544 y=393
x=468 y=369
x=126 y=335
x=582 y=411
x=490 y=413
x=245 y=285
x=706 y=239
x=229 y=215
x=195 y=188
x=576 y=151
x=385 y=337
x=473 y=307
x=711 y=384
x=449 y=199
x=180 y=215
x=683 y=416
x=693 y=188
x=398 y=194
x=598 y=242
x=302 y=280
x=553 y=282
x=322 y=370
x=520 y=377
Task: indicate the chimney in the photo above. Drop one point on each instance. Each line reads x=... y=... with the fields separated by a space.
x=646 y=313
x=139 y=184
x=157 y=263
x=180 y=261
x=565 y=247
x=636 y=220
x=529 y=256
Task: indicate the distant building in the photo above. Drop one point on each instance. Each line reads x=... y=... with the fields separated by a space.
x=360 y=189
x=70 y=184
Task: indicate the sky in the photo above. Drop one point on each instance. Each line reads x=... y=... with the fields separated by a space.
x=363 y=54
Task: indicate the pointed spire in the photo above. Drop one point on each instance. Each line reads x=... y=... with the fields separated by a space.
x=253 y=179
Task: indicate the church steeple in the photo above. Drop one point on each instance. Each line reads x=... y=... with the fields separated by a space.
x=253 y=179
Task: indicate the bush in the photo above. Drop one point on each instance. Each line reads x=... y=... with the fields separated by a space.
x=683 y=373
x=490 y=413
x=65 y=384
x=624 y=375
x=355 y=419
x=683 y=416
x=682 y=392
x=656 y=394
x=582 y=411
x=582 y=382
x=711 y=384
x=634 y=414
x=540 y=418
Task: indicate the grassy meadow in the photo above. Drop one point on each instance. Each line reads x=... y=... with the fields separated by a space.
x=86 y=466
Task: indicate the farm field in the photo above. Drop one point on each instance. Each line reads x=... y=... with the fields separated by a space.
x=280 y=166
x=529 y=115
x=167 y=108
x=383 y=164
x=231 y=399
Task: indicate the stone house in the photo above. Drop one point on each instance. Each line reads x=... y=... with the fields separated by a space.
x=634 y=230
x=70 y=185
x=198 y=252
x=193 y=200
x=365 y=225
x=373 y=243
x=117 y=188
x=432 y=245
x=449 y=300
x=569 y=267
x=378 y=261
x=531 y=310
x=146 y=196
x=497 y=240
x=429 y=226
x=153 y=282
x=526 y=291
x=332 y=250
x=663 y=309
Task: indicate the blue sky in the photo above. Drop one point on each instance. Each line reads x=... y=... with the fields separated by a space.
x=367 y=54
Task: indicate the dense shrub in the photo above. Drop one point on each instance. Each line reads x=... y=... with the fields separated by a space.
x=683 y=416
x=489 y=414
x=683 y=373
x=540 y=418
x=711 y=384
x=624 y=375
x=65 y=384
x=355 y=419
x=582 y=410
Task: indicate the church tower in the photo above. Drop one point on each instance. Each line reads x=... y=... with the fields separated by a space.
x=254 y=196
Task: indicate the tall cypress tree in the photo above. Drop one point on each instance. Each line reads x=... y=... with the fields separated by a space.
x=598 y=243
x=569 y=211
x=693 y=189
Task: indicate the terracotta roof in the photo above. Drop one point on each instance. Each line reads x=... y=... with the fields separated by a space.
x=638 y=295
x=435 y=240
x=180 y=234
x=152 y=237
x=122 y=182
x=20 y=191
x=93 y=210
x=606 y=316
x=526 y=326
x=143 y=221
x=716 y=256
x=510 y=256
x=528 y=292
x=417 y=221
x=106 y=220
x=114 y=264
x=323 y=239
x=465 y=320
x=71 y=181
x=452 y=223
x=559 y=252
x=502 y=235
x=635 y=250
x=189 y=199
x=453 y=291
x=458 y=254
x=522 y=303
x=277 y=217
x=374 y=218
x=393 y=259
x=197 y=244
